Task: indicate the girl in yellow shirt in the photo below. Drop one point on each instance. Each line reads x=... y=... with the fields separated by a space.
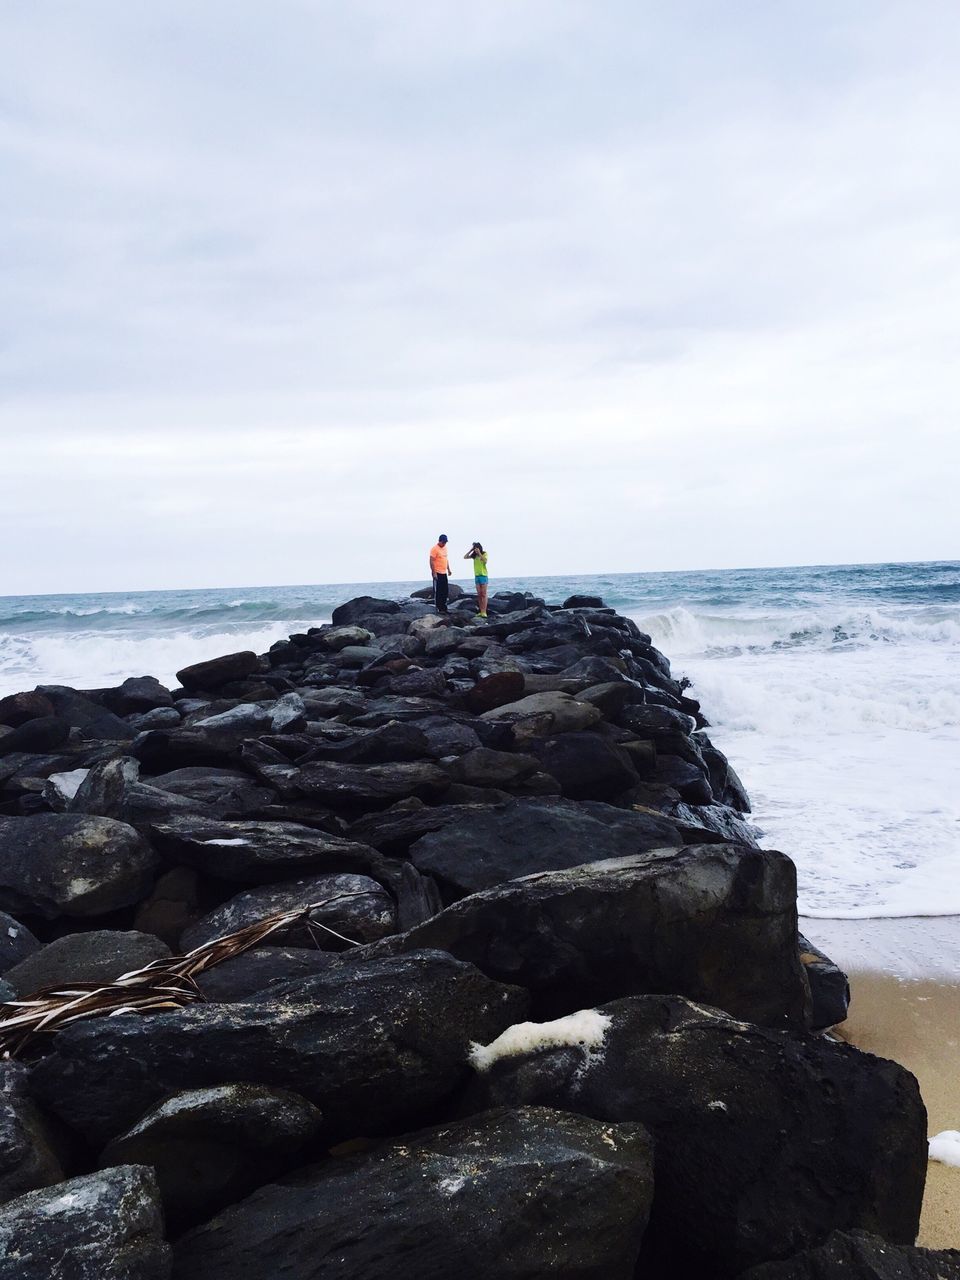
x=479 y=558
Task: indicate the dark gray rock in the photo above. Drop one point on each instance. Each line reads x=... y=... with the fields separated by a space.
x=426 y=593
x=717 y=819
x=486 y=846
x=716 y=923
x=510 y=1194
x=372 y=787
x=362 y=607
x=829 y=986
x=394 y=830
x=375 y=1042
x=582 y=601
x=103 y=790
x=484 y=767
x=219 y=671
x=586 y=765
x=690 y=780
x=391 y=743
x=247 y=976
x=649 y=720
x=257 y=852
x=219 y=793
x=355 y=906
x=171 y=906
x=28 y=1158
x=210 y=1147
x=158 y=718
x=857 y=1255
x=102 y=1226
x=17 y=708
x=494 y=691
x=137 y=694
x=98 y=956
x=16 y=942
x=765 y=1142
x=67 y=864
x=44 y=734
x=445 y=737
x=93 y=721
x=429 y=683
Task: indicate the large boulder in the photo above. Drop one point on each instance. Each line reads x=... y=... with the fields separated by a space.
x=566 y=715
x=716 y=923
x=46 y=733
x=857 y=1255
x=587 y=766
x=102 y=1226
x=510 y=1194
x=17 y=708
x=391 y=743
x=354 y=906
x=250 y=974
x=494 y=691
x=371 y=787
x=218 y=671
x=219 y=793
x=765 y=1142
x=257 y=852
x=137 y=694
x=16 y=942
x=28 y=1158
x=484 y=767
x=101 y=955
x=361 y=607
x=482 y=847
x=67 y=864
x=80 y=712
x=375 y=1042
x=210 y=1147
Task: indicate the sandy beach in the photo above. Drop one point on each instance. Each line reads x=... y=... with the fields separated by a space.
x=905 y=989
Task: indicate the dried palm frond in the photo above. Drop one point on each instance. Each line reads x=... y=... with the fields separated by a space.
x=164 y=984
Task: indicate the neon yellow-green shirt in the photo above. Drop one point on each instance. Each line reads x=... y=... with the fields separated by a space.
x=480 y=565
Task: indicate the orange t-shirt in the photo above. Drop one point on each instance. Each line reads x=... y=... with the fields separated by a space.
x=438 y=559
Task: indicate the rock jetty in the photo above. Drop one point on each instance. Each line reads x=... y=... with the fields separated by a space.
x=488 y=976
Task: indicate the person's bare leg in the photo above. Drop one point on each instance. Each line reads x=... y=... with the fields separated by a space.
x=481 y=597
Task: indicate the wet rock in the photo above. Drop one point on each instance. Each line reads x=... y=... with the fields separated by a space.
x=857 y=1255
x=362 y=607
x=171 y=906
x=103 y=790
x=159 y=718
x=43 y=734
x=494 y=691
x=483 y=847
x=355 y=906
x=765 y=1142
x=829 y=986
x=374 y=1042
x=137 y=695
x=257 y=852
x=484 y=767
x=219 y=671
x=395 y=830
x=587 y=766
x=210 y=1147
x=392 y=743
x=583 y=602
x=16 y=942
x=714 y=922
x=67 y=864
x=511 y=1194
x=686 y=778
x=566 y=714
x=28 y=1158
x=93 y=721
x=219 y=793
x=445 y=737
x=17 y=708
x=252 y=973
x=102 y=1226
x=373 y=787
x=98 y=956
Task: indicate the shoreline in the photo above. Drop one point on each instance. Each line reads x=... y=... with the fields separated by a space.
x=905 y=1005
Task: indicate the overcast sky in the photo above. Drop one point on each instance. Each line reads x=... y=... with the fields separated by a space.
x=290 y=288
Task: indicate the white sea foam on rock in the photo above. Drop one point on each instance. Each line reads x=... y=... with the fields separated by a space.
x=945 y=1147
x=586 y=1030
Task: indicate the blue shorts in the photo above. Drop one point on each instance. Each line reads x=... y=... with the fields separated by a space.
x=480 y=581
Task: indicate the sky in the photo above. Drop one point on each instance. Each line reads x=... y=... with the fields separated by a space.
x=612 y=286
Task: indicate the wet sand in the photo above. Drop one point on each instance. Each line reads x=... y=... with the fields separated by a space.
x=905 y=1005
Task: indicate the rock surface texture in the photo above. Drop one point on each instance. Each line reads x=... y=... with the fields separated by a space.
x=550 y=1014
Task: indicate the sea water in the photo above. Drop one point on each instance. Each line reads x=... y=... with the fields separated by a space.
x=834 y=690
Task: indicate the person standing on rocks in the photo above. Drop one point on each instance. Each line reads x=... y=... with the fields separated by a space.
x=480 y=579
x=440 y=568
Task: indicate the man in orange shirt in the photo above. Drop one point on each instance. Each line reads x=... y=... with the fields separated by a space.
x=440 y=568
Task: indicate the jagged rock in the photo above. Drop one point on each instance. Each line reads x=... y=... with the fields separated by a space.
x=587 y=766
x=567 y=715
x=138 y=694
x=43 y=734
x=646 y=720
x=716 y=923
x=371 y=787
x=487 y=846
x=688 y=779
x=429 y=683
x=103 y=789
x=494 y=691
x=27 y=1156
x=765 y=1142
x=394 y=830
x=84 y=714
x=610 y=697
x=158 y=718
x=484 y=767
x=362 y=607
x=511 y=1194
x=67 y=864
x=358 y=907
x=373 y=1041
x=17 y=708
x=248 y=975
x=16 y=942
x=857 y=1255
x=715 y=818
x=102 y=1226
x=829 y=986
x=219 y=671
x=218 y=793
x=209 y=1147
x=446 y=737
x=98 y=956
x=257 y=852
x=392 y=743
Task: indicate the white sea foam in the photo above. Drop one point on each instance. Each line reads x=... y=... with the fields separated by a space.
x=586 y=1030
x=945 y=1147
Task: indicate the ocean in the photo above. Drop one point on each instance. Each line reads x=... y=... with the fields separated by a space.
x=834 y=690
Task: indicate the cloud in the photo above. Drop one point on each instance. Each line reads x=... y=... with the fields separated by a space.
x=541 y=267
